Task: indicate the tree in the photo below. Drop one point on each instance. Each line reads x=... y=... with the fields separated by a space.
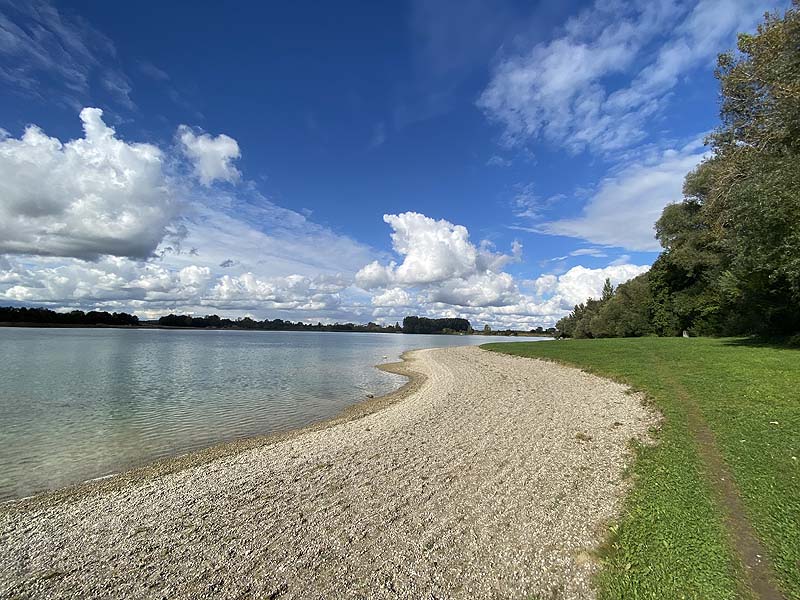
x=608 y=291
x=585 y=320
x=685 y=278
x=753 y=201
x=44 y=316
x=628 y=313
x=731 y=248
x=414 y=324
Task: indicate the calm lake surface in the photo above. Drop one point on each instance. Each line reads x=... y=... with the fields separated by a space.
x=82 y=403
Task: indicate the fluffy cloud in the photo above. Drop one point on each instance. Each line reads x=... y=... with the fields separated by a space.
x=567 y=90
x=111 y=281
x=103 y=195
x=294 y=292
x=580 y=283
x=487 y=289
x=549 y=298
x=84 y=198
x=393 y=297
x=442 y=265
x=116 y=283
x=624 y=208
x=444 y=274
x=212 y=157
x=433 y=252
x=152 y=288
x=100 y=222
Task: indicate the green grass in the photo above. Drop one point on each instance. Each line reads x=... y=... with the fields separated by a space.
x=672 y=541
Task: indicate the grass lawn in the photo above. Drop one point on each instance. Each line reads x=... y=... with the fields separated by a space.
x=673 y=540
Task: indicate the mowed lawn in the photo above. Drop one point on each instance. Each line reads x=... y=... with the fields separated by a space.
x=673 y=541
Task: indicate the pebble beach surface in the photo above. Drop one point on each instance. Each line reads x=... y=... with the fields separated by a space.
x=490 y=476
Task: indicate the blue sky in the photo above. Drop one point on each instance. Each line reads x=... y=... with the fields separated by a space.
x=347 y=161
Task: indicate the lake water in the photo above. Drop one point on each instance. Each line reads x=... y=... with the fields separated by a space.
x=82 y=403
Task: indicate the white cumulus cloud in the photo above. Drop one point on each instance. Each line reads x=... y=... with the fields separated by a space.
x=580 y=283
x=212 y=157
x=444 y=274
x=295 y=292
x=84 y=198
x=433 y=252
x=116 y=283
x=393 y=297
x=110 y=282
x=484 y=289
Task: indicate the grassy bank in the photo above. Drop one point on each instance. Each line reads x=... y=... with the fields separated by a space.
x=674 y=541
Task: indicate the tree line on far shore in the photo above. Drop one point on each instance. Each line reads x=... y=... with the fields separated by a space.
x=731 y=249
x=411 y=324
x=44 y=316
x=11 y=315
x=216 y=322
x=426 y=325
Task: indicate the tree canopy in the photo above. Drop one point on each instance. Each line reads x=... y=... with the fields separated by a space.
x=425 y=325
x=45 y=316
x=731 y=248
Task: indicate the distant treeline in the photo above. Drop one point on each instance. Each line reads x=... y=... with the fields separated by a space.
x=44 y=316
x=425 y=325
x=731 y=249
x=216 y=322
x=47 y=317
x=550 y=331
x=542 y=331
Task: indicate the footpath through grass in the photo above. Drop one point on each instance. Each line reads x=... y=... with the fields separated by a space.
x=673 y=541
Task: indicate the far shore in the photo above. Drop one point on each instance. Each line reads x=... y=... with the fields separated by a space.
x=168 y=327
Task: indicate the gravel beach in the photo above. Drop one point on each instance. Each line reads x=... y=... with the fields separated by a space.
x=490 y=476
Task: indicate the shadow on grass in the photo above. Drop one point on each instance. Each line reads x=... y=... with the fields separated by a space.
x=775 y=342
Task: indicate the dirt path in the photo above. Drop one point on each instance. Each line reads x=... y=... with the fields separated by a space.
x=491 y=479
x=759 y=578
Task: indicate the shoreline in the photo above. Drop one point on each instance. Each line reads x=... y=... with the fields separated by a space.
x=201 y=456
x=485 y=475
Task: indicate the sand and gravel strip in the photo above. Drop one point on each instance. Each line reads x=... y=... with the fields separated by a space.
x=492 y=478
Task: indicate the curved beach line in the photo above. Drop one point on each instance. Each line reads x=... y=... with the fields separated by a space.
x=194 y=458
x=494 y=477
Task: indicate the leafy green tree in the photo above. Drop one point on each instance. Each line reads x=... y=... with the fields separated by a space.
x=414 y=324
x=684 y=278
x=753 y=199
x=731 y=259
x=608 y=291
x=630 y=310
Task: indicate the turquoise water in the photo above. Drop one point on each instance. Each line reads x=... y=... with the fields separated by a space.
x=82 y=403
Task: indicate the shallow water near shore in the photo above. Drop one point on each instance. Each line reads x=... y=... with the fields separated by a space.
x=77 y=404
